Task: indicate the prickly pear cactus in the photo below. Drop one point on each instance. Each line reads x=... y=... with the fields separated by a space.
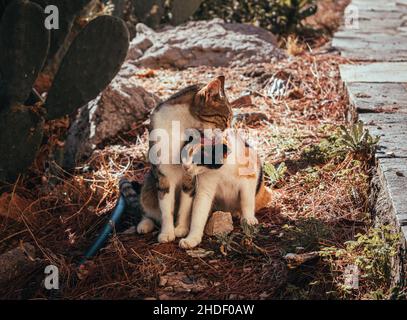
x=3 y=5
x=68 y=10
x=20 y=139
x=89 y=65
x=24 y=45
x=92 y=61
x=181 y=10
x=119 y=7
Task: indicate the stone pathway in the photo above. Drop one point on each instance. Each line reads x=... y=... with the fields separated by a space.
x=376 y=82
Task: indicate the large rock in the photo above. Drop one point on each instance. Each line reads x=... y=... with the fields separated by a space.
x=122 y=104
x=212 y=43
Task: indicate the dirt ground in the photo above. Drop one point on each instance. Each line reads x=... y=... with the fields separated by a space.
x=320 y=201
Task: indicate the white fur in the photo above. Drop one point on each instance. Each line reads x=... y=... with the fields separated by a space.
x=173 y=172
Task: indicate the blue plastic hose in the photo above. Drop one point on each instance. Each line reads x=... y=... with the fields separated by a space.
x=104 y=235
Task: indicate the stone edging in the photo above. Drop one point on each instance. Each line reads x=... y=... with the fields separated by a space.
x=376 y=84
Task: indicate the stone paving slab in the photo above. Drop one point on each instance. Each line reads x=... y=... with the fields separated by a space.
x=378 y=93
x=348 y=40
x=384 y=43
x=378 y=97
x=359 y=33
x=380 y=15
x=375 y=72
x=393 y=173
x=392 y=129
x=380 y=5
x=374 y=55
x=373 y=25
x=364 y=37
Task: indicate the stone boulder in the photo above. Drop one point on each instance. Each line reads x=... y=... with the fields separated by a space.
x=196 y=43
x=122 y=104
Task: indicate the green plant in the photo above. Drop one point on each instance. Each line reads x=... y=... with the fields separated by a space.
x=358 y=140
x=375 y=250
x=289 y=14
x=250 y=231
x=83 y=73
x=273 y=174
x=156 y=12
x=278 y=16
x=372 y=254
x=325 y=150
x=226 y=242
x=241 y=242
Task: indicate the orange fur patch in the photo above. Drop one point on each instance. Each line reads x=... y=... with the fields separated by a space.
x=263 y=197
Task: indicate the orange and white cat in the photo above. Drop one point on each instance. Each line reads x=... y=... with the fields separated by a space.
x=237 y=186
x=162 y=194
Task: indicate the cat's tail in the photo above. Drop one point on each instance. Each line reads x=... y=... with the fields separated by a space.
x=263 y=197
x=131 y=192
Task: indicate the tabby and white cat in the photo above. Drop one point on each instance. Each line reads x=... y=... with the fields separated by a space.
x=164 y=190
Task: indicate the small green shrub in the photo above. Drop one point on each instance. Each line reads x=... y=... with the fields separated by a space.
x=358 y=140
x=372 y=254
x=273 y=174
x=241 y=243
x=279 y=16
x=325 y=150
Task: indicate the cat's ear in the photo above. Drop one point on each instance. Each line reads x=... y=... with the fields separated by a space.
x=215 y=88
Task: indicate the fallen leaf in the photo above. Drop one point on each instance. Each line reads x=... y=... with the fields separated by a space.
x=148 y=74
x=199 y=253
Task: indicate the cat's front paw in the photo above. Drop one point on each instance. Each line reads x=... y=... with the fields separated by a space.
x=181 y=231
x=250 y=221
x=145 y=226
x=166 y=237
x=189 y=242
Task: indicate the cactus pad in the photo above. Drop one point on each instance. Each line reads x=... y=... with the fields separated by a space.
x=92 y=61
x=19 y=141
x=182 y=10
x=68 y=10
x=24 y=43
